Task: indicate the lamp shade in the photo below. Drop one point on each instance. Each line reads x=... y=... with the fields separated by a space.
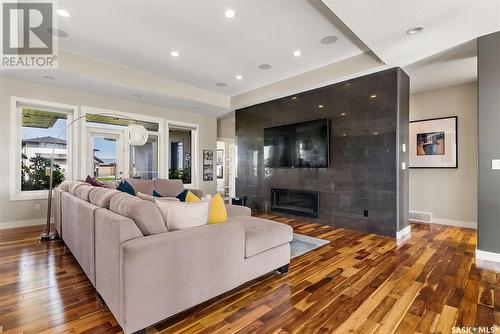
x=136 y=135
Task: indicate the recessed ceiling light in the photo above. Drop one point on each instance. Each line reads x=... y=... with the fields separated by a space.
x=342 y=114
x=48 y=77
x=375 y=133
x=264 y=66
x=229 y=13
x=239 y=77
x=297 y=53
x=344 y=134
x=57 y=32
x=329 y=39
x=373 y=96
x=320 y=106
x=294 y=98
x=175 y=53
x=414 y=30
x=63 y=13
x=221 y=84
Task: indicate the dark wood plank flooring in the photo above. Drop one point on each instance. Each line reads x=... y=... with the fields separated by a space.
x=359 y=283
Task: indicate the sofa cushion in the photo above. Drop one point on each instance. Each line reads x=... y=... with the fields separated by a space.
x=83 y=192
x=262 y=234
x=167 y=188
x=183 y=215
x=102 y=196
x=65 y=185
x=145 y=214
x=144 y=186
x=75 y=184
x=150 y=198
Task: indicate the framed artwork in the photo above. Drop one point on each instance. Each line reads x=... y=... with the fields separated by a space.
x=208 y=165
x=220 y=157
x=434 y=143
x=220 y=171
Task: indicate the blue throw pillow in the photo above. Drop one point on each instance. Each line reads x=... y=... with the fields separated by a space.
x=126 y=188
x=182 y=195
x=156 y=194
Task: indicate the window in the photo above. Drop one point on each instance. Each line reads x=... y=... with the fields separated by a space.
x=110 y=157
x=38 y=130
x=180 y=155
x=182 y=152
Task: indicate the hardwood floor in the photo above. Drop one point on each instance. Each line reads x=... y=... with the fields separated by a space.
x=359 y=283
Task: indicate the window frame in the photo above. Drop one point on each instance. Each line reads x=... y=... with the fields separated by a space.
x=84 y=139
x=195 y=169
x=16 y=104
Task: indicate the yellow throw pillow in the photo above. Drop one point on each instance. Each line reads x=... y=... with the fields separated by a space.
x=190 y=197
x=217 y=212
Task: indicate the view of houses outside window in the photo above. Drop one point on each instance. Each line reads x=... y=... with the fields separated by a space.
x=40 y=131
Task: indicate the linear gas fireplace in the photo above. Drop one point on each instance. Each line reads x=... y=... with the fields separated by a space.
x=298 y=202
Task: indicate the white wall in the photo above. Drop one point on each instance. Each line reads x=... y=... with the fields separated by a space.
x=449 y=194
x=21 y=211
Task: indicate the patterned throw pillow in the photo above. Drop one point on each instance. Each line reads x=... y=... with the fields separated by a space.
x=187 y=196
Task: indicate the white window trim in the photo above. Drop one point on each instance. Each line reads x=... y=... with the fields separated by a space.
x=16 y=145
x=195 y=154
x=83 y=126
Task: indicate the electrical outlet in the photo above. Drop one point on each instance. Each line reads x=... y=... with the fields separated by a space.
x=365 y=213
x=37 y=207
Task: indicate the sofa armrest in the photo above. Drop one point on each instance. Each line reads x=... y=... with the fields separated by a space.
x=111 y=230
x=237 y=210
x=166 y=273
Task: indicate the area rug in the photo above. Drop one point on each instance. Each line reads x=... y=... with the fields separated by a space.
x=302 y=244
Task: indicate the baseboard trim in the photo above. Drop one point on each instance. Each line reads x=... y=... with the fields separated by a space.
x=404 y=233
x=487 y=256
x=21 y=223
x=443 y=221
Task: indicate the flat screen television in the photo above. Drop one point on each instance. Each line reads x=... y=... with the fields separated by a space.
x=298 y=145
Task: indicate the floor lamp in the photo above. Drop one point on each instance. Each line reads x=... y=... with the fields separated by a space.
x=136 y=135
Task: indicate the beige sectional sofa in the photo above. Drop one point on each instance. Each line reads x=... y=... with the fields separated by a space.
x=145 y=273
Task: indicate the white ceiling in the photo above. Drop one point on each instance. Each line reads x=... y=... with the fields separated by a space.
x=129 y=43
x=213 y=48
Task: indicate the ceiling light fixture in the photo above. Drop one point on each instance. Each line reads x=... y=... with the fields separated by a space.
x=342 y=114
x=221 y=84
x=175 y=53
x=63 y=13
x=297 y=53
x=229 y=13
x=264 y=66
x=375 y=133
x=294 y=98
x=320 y=106
x=136 y=95
x=414 y=30
x=48 y=77
x=373 y=96
x=239 y=77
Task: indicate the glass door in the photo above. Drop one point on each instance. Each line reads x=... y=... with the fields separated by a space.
x=106 y=152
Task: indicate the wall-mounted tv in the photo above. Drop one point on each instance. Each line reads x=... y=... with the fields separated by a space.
x=298 y=145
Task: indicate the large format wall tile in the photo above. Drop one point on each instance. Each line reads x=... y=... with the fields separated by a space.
x=363 y=172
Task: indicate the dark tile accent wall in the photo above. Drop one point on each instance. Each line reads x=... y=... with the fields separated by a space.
x=364 y=147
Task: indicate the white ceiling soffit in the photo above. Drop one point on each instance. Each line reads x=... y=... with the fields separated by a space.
x=454 y=66
x=213 y=49
x=382 y=25
x=103 y=78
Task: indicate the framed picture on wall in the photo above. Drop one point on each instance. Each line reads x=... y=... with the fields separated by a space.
x=208 y=165
x=434 y=143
